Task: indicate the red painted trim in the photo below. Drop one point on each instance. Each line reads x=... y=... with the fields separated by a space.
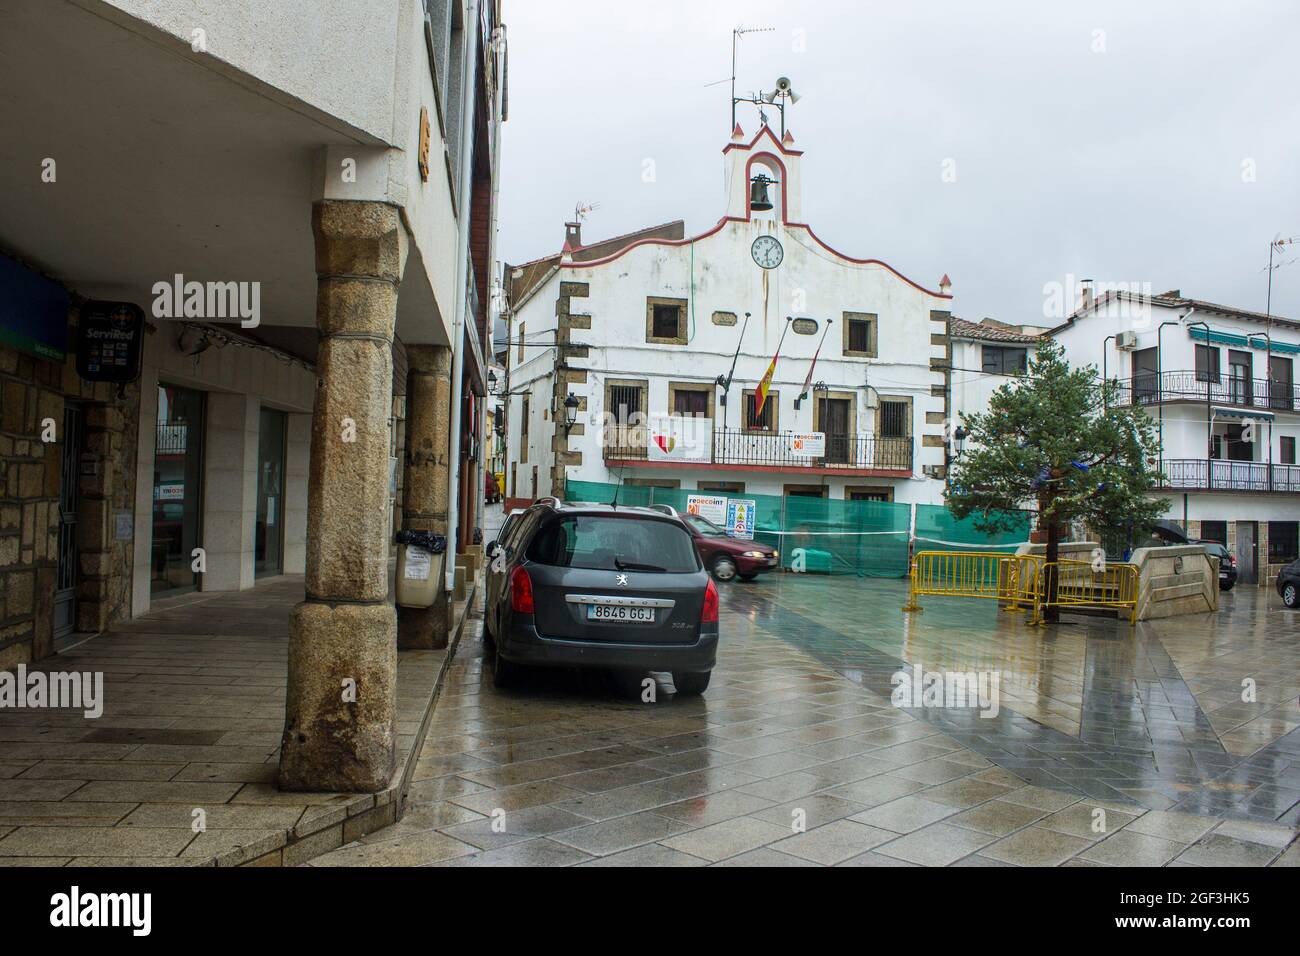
x=865 y=262
x=726 y=219
x=652 y=241
x=759 y=135
x=772 y=469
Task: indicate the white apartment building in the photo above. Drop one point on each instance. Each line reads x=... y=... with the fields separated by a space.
x=985 y=356
x=640 y=333
x=1220 y=382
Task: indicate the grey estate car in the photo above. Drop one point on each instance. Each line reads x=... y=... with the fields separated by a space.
x=593 y=585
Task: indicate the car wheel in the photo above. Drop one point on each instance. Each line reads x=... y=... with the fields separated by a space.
x=1291 y=595
x=1225 y=587
x=724 y=569
x=691 y=684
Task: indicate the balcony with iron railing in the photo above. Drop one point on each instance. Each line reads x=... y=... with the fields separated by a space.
x=171 y=439
x=737 y=448
x=1217 y=474
x=1191 y=386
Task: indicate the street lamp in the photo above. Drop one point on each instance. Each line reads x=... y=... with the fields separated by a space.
x=492 y=382
x=570 y=413
x=959 y=437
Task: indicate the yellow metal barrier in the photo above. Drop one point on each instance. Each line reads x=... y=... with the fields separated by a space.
x=1079 y=584
x=1021 y=582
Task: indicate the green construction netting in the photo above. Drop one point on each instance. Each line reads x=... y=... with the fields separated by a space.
x=831 y=536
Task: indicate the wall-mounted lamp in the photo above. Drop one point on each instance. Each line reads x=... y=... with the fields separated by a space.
x=492 y=382
x=570 y=413
x=960 y=434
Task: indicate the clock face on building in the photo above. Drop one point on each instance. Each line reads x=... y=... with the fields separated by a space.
x=767 y=252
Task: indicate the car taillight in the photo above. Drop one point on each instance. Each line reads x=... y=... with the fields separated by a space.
x=521 y=591
x=709 y=612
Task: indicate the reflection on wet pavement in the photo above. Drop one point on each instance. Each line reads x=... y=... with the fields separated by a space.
x=1091 y=705
x=1104 y=740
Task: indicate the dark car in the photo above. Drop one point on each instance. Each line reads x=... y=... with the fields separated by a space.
x=600 y=586
x=1288 y=584
x=1227 y=563
x=504 y=531
x=725 y=555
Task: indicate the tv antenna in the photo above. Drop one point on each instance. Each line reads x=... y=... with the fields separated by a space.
x=584 y=209
x=736 y=34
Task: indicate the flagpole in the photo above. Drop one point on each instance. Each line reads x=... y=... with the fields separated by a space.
x=765 y=384
x=811 y=368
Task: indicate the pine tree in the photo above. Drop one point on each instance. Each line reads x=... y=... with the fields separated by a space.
x=1060 y=438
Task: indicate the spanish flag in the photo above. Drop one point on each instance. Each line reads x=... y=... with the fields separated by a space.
x=760 y=398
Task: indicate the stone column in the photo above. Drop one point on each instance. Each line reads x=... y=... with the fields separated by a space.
x=340 y=712
x=425 y=482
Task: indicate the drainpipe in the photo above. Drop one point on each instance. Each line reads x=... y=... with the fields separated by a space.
x=468 y=90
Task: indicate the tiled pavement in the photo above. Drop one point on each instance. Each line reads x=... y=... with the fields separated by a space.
x=797 y=727
x=193 y=712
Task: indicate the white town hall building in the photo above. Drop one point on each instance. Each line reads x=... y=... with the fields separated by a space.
x=621 y=351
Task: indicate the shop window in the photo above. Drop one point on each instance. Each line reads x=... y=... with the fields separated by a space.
x=1215 y=531
x=1283 y=541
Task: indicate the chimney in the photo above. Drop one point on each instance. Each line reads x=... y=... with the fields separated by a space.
x=572 y=236
x=1085 y=294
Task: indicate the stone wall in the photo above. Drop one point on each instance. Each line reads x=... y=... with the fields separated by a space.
x=33 y=393
x=1176 y=580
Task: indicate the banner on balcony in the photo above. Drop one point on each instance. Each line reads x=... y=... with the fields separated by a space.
x=710 y=507
x=808 y=445
x=679 y=438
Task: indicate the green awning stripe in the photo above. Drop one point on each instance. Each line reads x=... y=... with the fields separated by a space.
x=1241 y=341
x=1220 y=412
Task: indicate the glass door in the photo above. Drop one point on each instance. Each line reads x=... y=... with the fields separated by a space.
x=1146 y=380
x=269 y=547
x=177 y=490
x=65 y=593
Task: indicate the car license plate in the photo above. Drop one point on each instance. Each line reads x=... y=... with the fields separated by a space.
x=620 y=613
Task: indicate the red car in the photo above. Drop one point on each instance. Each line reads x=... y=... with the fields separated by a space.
x=726 y=557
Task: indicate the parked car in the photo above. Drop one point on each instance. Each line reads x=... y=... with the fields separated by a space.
x=1288 y=584
x=506 y=525
x=594 y=585
x=1227 y=563
x=725 y=555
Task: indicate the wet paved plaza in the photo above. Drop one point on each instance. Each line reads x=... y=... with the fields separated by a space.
x=1111 y=746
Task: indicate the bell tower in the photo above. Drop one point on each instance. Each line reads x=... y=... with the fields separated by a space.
x=760 y=170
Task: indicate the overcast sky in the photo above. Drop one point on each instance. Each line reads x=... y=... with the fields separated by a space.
x=1142 y=142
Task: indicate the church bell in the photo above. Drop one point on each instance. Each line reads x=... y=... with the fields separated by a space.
x=758 y=197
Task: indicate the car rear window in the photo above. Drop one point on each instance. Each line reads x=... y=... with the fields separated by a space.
x=704 y=526
x=610 y=543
